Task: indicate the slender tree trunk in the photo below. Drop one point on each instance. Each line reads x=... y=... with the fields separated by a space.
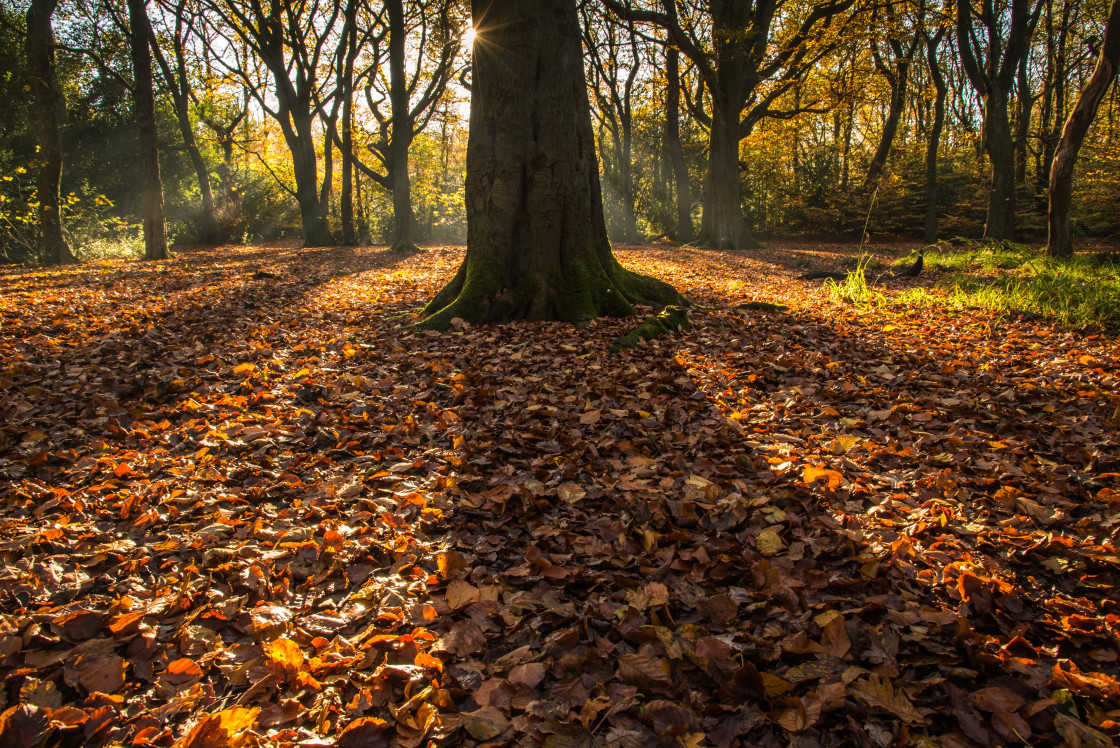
x=300 y=139
x=179 y=87
x=626 y=165
x=49 y=109
x=1024 y=102
x=211 y=233
x=934 y=136
x=899 y=79
x=1000 y=147
x=1060 y=242
x=676 y=152
x=537 y=243
x=155 y=226
x=346 y=197
x=403 y=238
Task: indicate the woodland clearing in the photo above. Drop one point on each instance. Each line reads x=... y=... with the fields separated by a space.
x=241 y=504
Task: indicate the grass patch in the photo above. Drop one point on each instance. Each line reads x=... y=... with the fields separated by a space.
x=854 y=288
x=1003 y=277
x=1079 y=292
x=126 y=245
x=865 y=261
x=983 y=257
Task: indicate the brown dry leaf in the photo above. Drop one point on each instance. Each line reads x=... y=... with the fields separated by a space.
x=768 y=542
x=460 y=594
x=365 y=732
x=791 y=714
x=24 y=726
x=102 y=674
x=464 y=638
x=451 y=563
x=878 y=692
x=182 y=670
x=40 y=693
x=997 y=699
x=530 y=674
x=834 y=638
x=811 y=474
x=1077 y=734
x=285 y=657
x=640 y=669
x=569 y=735
x=485 y=723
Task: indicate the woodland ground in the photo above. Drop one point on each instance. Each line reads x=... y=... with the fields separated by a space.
x=241 y=505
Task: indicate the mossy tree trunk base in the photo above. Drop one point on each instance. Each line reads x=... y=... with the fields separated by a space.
x=537 y=245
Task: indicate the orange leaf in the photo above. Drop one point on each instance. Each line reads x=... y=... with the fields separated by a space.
x=811 y=474
x=222 y=730
x=285 y=657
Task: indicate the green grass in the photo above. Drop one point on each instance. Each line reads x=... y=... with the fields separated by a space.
x=854 y=289
x=865 y=261
x=1006 y=278
x=1078 y=292
x=125 y=246
x=983 y=257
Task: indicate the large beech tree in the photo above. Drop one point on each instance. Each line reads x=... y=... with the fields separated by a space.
x=537 y=245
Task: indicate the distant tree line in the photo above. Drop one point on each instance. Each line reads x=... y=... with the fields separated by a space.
x=345 y=121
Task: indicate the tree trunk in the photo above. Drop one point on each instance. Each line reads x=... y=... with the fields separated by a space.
x=1024 y=103
x=346 y=90
x=1000 y=146
x=1060 y=242
x=723 y=225
x=626 y=164
x=300 y=139
x=898 y=78
x=48 y=114
x=676 y=153
x=537 y=245
x=934 y=136
x=179 y=87
x=144 y=103
x=402 y=239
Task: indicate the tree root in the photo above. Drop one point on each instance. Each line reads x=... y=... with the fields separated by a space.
x=763 y=306
x=672 y=319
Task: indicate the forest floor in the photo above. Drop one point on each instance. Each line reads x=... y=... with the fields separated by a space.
x=241 y=505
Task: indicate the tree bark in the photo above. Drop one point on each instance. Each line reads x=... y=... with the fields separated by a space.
x=144 y=104
x=722 y=225
x=49 y=107
x=402 y=239
x=1000 y=146
x=1024 y=104
x=1060 y=242
x=537 y=245
x=897 y=73
x=178 y=84
x=346 y=90
x=934 y=134
x=676 y=152
x=991 y=65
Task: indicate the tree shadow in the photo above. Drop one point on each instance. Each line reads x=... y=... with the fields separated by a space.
x=774 y=523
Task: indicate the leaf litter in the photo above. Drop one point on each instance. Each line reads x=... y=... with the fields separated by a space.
x=246 y=508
